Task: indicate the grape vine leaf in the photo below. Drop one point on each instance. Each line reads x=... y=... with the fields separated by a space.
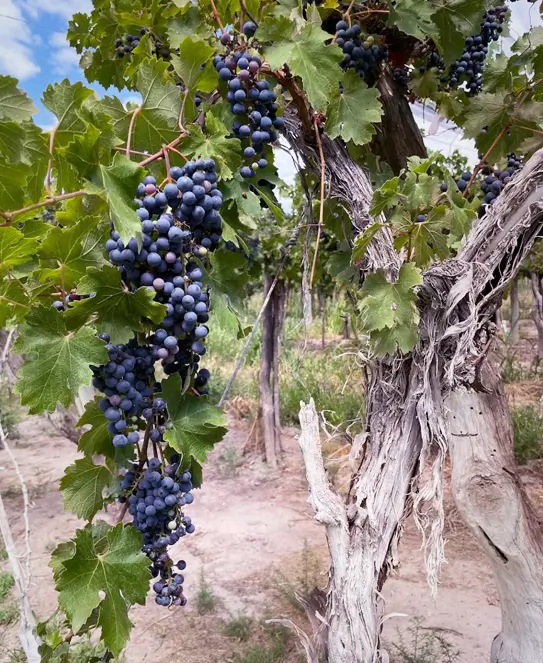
x=196 y=424
x=352 y=111
x=57 y=362
x=314 y=61
x=214 y=144
x=14 y=103
x=193 y=54
x=82 y=487
x=96 y=440
x=456 y=19
x=11 y=141
x=274 y=28
x=118 y=186
x=12 y=184
x=118 y=311
x=388 y=309
x=65 y=100
x=65 y=254
x=157 y=120
x=106 y=560
x=15 y=249
x=414 y=17
x=427 y=239
x=13 y=301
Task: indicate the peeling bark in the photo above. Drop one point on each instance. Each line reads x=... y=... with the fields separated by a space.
x=491 y=498
x=515 y=313
x=406 y=422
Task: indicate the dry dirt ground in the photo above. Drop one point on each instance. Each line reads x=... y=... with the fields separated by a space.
x=251 y=523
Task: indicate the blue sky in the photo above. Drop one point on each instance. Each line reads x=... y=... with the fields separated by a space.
x=33 y=47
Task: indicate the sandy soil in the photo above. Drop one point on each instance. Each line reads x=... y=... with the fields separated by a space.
x=250 y=523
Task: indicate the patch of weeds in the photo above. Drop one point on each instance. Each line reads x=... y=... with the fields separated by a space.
x=303 y=583
x=425 y=645
x=16 y=656
x=229 y=460
x=8 y=614
x=274 y=652
x=3 y=553
x=239 y=627
x=6 y=583
x=11 y=411
x=527 y=433
x=206 y=600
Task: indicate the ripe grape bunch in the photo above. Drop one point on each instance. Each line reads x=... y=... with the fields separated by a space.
x=254 y=105
x=469 y=68
x=179 y=225
x=156 y=500
x=496 y=179
x=363 y=54
x=125 y=45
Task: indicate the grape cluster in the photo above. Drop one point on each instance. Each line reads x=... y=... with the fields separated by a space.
x=254 y=105
x=125 y=45
x=469 y=68
x=496 y=179
x=156 y=499
x=361 y=53
x=401 y=78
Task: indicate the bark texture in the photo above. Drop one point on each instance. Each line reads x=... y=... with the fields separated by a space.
x=493 y=502
x=406 y=420
x=515 y=313
x=537 y=312
x=268 y=427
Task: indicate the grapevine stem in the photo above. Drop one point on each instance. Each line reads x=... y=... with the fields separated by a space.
x=50 y=163
x=123 y=149
x=130 y=130
x=244 y=7
x=9 y=216
x=167 y=163
x=182 y=111
x=321 y=209
x=216 y=15
x=172 y=149
x=347 y=16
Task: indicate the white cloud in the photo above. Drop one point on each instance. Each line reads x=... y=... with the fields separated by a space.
x=63 y=57
x=16 y=57
x=62 y=8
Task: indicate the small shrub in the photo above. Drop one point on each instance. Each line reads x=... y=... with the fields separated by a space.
x=8 y=614
x=425 y=646
x=16 y=656
x=275 y=652
x=528 y=433
x=11 y=412
x=3 y=553
x=206 y=601
x=6 y=583
x=303 y=583
x=229 y=460
x=239 y=627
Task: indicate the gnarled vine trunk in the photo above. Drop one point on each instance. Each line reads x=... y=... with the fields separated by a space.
x=492 y=501
x=406 y=418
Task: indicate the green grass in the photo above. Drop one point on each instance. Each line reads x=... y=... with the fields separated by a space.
x=274 y=652
x=528 y=433
x=8 y=614
x=206 y=600
x=239 y=627
x=6 y=583
x=11 y=412
x=303 y=583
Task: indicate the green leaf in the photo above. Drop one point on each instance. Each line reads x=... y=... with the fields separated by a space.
x=96 y=441
x=456 y=19
x=15 y=249
x=310 y=58
x=119 y=183
x=118 y=311
x=191 y=23
x=486 y=110
x=14 y=103
x=196 y=424
x=193 y=53
x=66 y=100
x=214 y=144
x=364 y=240
x=386 y=196
x=11 y=141
x=57 y=362
x=82 y=487
x=351 y=112
x=12 y=185
x=13 y=301
x=414 y=17
x=275 y=28
x=157 y=121
x=106 y=560
x=65 y=254
x=388 y=309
